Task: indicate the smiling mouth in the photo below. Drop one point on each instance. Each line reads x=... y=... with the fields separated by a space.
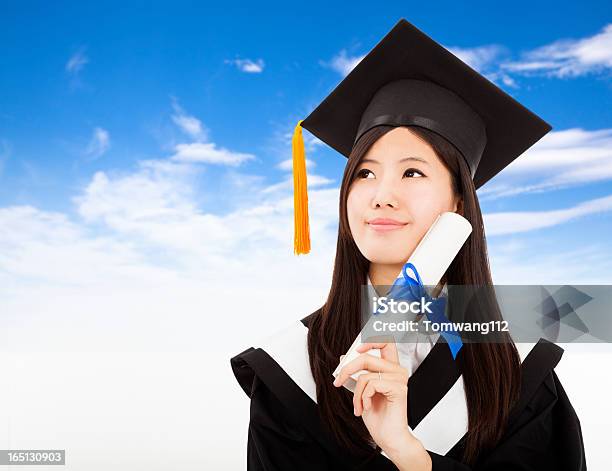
x=385 y=227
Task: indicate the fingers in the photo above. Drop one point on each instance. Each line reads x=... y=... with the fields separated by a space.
x=365 y=361
x=369 y=362
x=363 y=380
x=390 y=389
x=392 y=381
x=388 y=350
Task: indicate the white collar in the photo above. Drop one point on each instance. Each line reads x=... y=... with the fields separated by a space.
x=415 y=347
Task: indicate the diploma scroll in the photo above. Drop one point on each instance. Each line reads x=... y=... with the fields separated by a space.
x=432 y=257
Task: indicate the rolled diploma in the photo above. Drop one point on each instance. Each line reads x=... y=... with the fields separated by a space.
x=431 y=257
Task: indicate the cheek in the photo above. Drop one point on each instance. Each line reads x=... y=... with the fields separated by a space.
x=355 y=209
x=426 y=203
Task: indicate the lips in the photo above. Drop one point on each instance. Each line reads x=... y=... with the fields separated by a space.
x=385 y=224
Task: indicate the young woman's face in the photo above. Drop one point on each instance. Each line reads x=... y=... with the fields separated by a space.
x=400 y=179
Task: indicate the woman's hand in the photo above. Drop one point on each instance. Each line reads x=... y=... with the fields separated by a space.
x=382 y=402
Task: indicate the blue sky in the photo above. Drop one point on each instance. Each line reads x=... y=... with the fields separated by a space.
x=144 y=156
x=139 y=56
x=196 y=103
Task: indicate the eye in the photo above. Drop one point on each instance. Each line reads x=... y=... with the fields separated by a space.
x=412 y=171
x=363 y=173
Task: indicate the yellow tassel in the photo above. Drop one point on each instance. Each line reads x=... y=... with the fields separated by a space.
x=300 y=194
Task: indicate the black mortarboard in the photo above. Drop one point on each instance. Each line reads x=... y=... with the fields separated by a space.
x=409 y=79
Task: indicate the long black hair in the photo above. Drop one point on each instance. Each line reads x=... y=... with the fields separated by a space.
x=491 y=371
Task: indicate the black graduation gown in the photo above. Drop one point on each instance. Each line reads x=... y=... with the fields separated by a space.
x=285 y=432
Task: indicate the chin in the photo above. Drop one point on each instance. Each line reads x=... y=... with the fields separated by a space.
x=387 y=252
x=386 y=256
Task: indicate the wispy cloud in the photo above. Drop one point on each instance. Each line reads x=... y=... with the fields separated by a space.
x=157 y=233
x=514 y=222
x=208 y=152
x=485 y=60
x=343 y=63
x=568 y=57
x=190 y=125
x=98 y=144
x=561 y=159
x=76 y=62
x=313 y=181
x=284 y=136
x=202 y=150
x=562 y=58
x=479 y=58
x=247 y=65
x=288 y=164
x=281 y=147
x=157 y=205
x=525 y=263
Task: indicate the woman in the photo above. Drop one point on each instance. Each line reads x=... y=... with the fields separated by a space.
x=420 y=138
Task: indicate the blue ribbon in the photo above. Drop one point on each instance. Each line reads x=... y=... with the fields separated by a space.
x=411 y=289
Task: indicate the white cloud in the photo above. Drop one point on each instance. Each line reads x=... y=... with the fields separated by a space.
x=528 y=265
x=208 y=152
x=342 y=63
x=479 y=58
x=568 y=57
x=287 y=184
x=508 y=81
x=561 y=159
x=287 y=164
x=311 y=142
x=98 y=144
x=156 y=204
x=52 y=251
x=513 y=222
x=483 y=59
x=247 y=65
x=190 y=125
x=312 y=179
x=167 y=287
x=153 y=221
x=76 y=62
x=562 y=58
x=201 y=151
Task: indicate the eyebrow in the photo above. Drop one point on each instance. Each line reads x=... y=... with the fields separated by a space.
x=418 y=159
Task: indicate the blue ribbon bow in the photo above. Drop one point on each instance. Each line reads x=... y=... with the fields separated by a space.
x=411 y=289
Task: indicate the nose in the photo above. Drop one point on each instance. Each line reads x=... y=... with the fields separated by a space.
x=385 y=196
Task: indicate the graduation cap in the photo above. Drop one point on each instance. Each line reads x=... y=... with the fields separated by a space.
x=409 y=79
